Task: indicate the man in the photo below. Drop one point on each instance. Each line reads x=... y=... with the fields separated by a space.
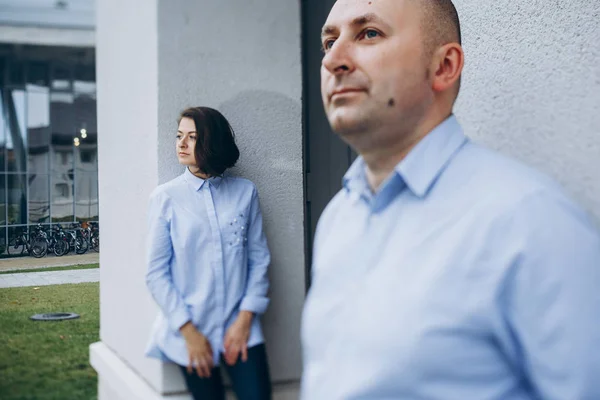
x=441 y=270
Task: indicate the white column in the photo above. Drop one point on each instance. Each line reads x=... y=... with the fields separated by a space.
x=155 y=58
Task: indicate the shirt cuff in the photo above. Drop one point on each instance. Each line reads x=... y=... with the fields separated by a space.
x=257 y=305
x=178 y=319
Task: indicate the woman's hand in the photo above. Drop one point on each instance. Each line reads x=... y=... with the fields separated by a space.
x=236 y=338
x=199 y=350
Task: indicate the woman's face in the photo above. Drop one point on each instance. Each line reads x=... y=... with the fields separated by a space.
x=186 y=142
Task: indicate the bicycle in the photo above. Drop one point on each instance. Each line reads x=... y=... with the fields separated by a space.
x=58 y=242
x=36 y=245
x=92 y=235
x=77 y=241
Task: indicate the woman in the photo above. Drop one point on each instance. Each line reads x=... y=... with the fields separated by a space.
x=207 y=265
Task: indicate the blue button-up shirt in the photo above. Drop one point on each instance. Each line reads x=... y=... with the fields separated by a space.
x=467 y=276
x=207 y=260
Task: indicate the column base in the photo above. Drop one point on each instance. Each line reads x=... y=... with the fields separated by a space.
x=117 y=381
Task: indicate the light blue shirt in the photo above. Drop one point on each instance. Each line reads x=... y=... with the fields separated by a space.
x=467 y=276
x=207 y=260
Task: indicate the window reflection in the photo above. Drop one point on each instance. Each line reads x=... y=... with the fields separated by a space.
x=3 y=242
x=48 y=137
x=2 y=199
x=86 y=196
x=2 y=135
x=38 y=73
x=61 y=78
x=38 y=128
x=61 y=186
x=16 y=72
x=16 y=134
x=39 y=198
x=85 y=121
x=17 y=199
x=63 y=131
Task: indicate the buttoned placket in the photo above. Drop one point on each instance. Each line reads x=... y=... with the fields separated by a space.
x=217 y=261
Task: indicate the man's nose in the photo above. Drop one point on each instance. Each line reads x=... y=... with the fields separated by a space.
x=338 y=59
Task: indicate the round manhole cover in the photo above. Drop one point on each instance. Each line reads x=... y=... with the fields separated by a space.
x=60 y=316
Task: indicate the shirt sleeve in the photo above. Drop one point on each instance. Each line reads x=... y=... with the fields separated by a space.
x=255 y=297
x=553 y=299
x=158 y=275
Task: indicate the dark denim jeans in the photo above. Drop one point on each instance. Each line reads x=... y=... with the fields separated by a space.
x=250 y=379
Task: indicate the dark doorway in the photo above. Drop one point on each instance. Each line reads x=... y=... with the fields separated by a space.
x=326 y=157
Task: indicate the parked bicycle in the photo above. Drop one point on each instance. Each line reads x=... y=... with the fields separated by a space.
x=36 y=245
x=92 y=235
x=58 y=242
x=77 y=242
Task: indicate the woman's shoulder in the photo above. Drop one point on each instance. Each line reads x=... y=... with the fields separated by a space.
x=240 y=183
x=167 y=189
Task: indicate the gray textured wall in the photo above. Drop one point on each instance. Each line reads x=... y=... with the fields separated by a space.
x=531 y=86
x=244 y=58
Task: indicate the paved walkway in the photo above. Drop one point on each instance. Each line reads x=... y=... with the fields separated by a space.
x=49 y=278
x=9 y=264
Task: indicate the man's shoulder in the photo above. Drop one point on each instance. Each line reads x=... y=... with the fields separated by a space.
x=485 y=175
x=488 y=186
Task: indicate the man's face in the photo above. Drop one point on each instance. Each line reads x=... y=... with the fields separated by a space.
x=374 y=74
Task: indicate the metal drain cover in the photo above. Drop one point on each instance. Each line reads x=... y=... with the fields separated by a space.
x=60 y=316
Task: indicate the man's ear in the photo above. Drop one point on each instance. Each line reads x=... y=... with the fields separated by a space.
x=447 y=66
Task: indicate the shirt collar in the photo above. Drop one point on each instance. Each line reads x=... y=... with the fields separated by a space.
x=425 y=162
x=197 y=182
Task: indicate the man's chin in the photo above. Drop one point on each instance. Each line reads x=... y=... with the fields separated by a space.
x=348 y=125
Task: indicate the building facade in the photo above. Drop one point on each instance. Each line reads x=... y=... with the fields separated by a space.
x=48 y=135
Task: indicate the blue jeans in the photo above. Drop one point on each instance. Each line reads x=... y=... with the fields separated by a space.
x=250 y=379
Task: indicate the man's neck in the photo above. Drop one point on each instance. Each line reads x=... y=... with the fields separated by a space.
x=380 y=162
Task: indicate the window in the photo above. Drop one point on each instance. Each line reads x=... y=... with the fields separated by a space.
x=47 y=101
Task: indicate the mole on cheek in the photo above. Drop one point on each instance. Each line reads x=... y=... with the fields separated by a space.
x=391 y=103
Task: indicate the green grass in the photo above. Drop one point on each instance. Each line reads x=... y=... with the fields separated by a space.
x=67 y=268
x=48 y=360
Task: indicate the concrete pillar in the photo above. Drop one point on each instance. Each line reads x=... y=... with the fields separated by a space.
x=155 y=58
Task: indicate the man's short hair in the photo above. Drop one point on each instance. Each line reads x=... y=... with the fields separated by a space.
x=440 y=23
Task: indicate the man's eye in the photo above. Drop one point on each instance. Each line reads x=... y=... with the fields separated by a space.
x=328 y=44
x=371 y=34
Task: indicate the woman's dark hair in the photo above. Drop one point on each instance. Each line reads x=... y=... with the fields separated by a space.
x=215 y=144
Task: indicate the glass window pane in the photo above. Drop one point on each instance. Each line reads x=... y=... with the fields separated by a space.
x=86 y=137
x=2 y=199
x=63 y=131
x=86 y=196
x=3 y=66
x=61 y=187
x=38 y=73
x=16 y=73
x=39 y=199
x=17 y=199
x=38 y=128
x=61 y=78
x=85 y=80
x=2 y=134
x=16 y=133
x=3 y=242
